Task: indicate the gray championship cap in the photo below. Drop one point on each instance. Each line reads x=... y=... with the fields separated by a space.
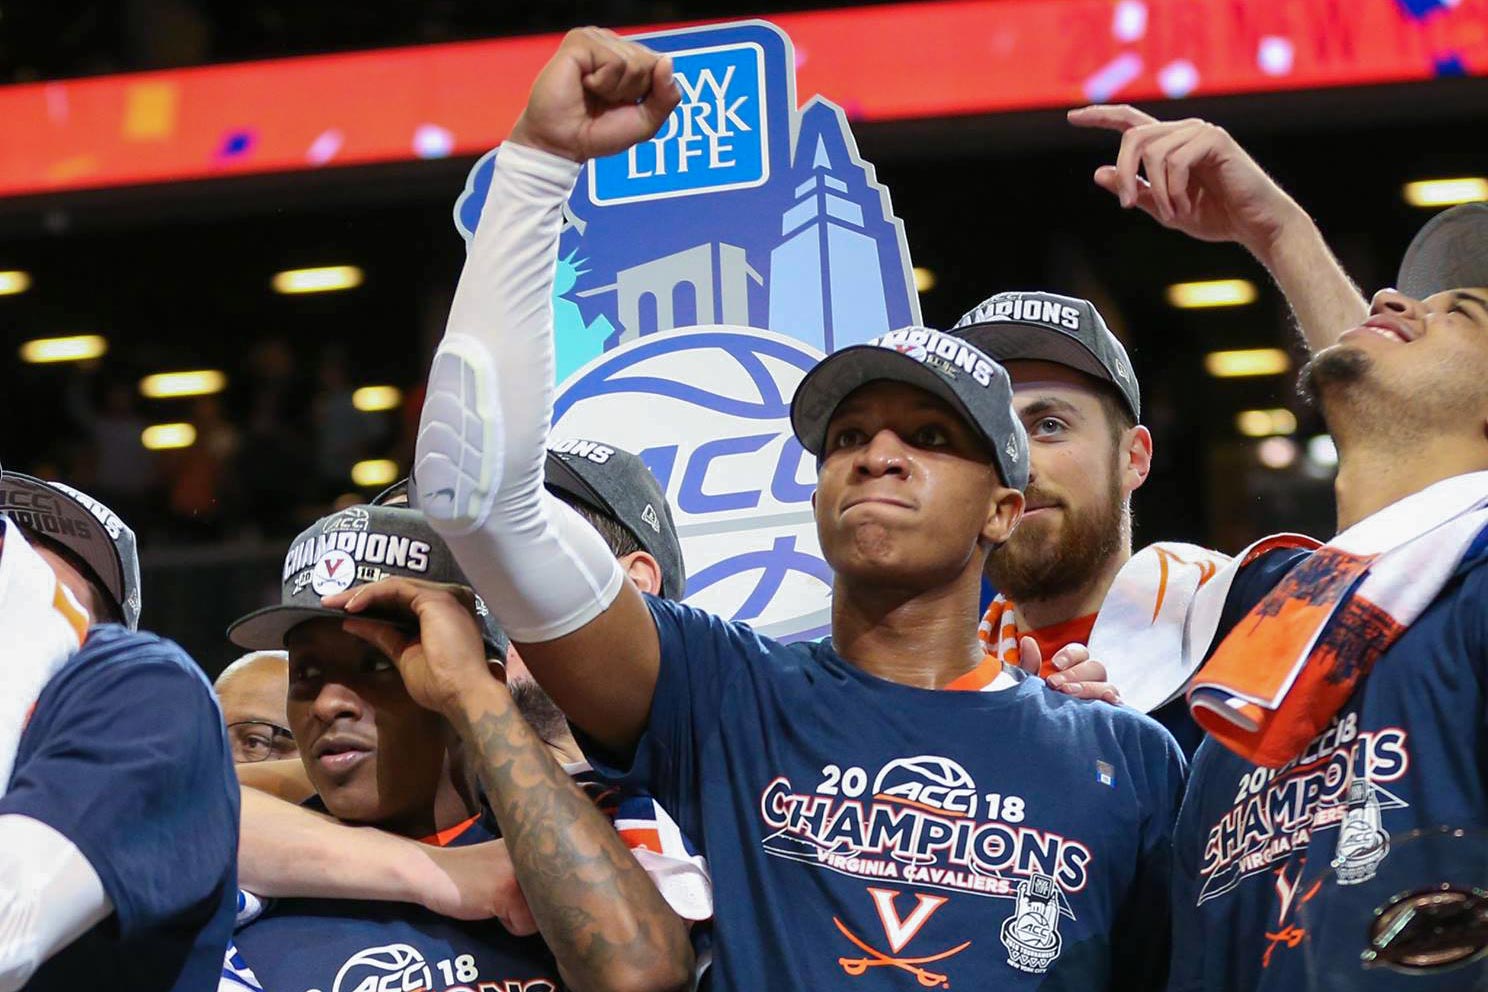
x=83 y=526
x=618 y=484
x=1051 y=328
x=355 y=547
x=953 y=369
x=612 y=481
x=1450 y=252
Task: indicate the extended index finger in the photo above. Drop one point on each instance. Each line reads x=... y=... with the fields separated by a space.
x=1118 y=117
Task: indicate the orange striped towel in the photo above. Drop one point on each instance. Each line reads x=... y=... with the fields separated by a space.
x=1290 y=665
x=41 y=625
x=998 y=631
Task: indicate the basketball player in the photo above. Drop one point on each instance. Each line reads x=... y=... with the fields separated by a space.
x=861 y=819
x=287 y=852
x=386 y=750
x=1079 y=398
x=118 y=828
x=1300 y=808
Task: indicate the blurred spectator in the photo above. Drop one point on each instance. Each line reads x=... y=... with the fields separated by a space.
x=276 y=461
x=201 y=475
x=344 y=433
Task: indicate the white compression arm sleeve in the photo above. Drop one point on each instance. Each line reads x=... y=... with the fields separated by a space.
x=50 y=897
x=482 y=441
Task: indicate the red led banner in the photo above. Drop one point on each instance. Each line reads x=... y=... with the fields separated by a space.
x=882 y=63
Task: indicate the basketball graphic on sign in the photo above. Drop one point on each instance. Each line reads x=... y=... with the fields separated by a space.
x=708 y=411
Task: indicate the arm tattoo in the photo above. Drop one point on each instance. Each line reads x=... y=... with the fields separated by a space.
x=599 y=912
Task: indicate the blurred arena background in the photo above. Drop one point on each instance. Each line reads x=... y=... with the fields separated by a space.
x=157 y=217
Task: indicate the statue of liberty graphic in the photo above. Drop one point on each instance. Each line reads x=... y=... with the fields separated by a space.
x=575 y=342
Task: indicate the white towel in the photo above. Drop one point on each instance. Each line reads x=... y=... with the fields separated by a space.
x=41 y=626
x=1139 y=631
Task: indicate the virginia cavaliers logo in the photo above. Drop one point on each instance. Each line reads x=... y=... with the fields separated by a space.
x=899 y=930
x=1288 y=898
x=334 y=572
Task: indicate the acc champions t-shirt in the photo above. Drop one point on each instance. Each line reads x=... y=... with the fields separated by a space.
x=125 y=755
x=1278 y=870
x=352 y=945
x=865 y=835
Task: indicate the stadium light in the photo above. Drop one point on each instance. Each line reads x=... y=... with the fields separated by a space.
x=14 y=281
x=325 y=279
x=1322 y=452
x=374 y=472
x=924 y=279
x=1246 y=361
x=78 y=348
x=1277 y=452
x=1265 y=423
x=1445 y=192
x=1212 y=293
x=163 y=437
x=168 y=385
x=371 y=399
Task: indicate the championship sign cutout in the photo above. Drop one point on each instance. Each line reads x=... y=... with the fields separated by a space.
x=746 y=211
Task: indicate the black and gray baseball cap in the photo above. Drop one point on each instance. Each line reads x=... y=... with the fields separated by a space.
x=950 y=368
x=618 y=484
x=610 y=480
x=354 y=547
x=1052 y=328
x=1450 y=252
x=83 y=526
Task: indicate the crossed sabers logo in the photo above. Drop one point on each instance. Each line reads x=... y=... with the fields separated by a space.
x=1286 y=894
x=900 y=931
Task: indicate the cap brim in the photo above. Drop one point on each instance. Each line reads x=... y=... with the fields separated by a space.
x=1450 y=252
x=265 y=629
x=1011 y=342
x=842 y=373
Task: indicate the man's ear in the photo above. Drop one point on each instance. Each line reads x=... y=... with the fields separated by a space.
x=1136 y=458
x=1003 y=514
x=643 y=570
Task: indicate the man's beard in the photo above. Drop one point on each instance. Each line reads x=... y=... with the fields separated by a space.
x=1331 y=367
x=1030 y=566
x=538 y=708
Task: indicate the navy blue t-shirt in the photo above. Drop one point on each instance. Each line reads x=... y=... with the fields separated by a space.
x=352 y=945
x=1263 y=854
x=126 y=756
x=866 y=835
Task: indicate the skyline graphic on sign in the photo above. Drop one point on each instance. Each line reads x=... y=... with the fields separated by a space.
x=746 y=209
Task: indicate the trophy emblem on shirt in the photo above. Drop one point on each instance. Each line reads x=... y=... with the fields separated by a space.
x=1031 y=934
x=1362 y=841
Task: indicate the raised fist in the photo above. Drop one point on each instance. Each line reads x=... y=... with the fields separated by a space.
x=598 y=95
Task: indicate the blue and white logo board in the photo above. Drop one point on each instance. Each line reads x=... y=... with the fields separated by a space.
x=708 y=410
x=745 y=210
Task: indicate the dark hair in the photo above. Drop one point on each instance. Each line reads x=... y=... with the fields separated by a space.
x=618 y=536
x=1119 y=418
x=102 y=609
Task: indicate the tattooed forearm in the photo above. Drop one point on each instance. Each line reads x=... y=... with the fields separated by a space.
x=604 y=920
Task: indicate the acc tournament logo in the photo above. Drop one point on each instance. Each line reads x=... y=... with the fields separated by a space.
x=743 y=210
x=708 y=411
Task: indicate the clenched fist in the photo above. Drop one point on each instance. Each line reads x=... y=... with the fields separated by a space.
x=598 y=95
